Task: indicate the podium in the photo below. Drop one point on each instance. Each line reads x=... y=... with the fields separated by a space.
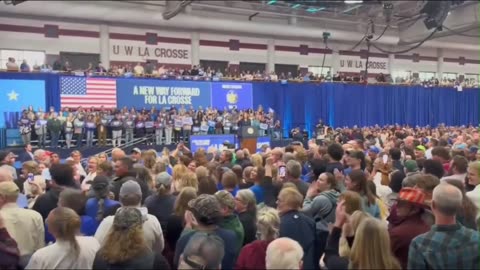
x=248 y=138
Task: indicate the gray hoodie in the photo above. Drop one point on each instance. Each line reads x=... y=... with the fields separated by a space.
x=322 y=207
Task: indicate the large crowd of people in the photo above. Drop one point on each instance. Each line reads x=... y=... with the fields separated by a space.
x=363 y=198
x=90 y=126
x=150 y=69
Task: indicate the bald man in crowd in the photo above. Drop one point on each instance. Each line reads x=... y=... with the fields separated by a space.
x=284 y=253
x=448 y=244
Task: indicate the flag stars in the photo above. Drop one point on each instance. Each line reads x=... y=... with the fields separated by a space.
x=13 y=95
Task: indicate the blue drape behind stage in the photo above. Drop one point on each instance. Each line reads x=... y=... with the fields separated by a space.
x=302 y=104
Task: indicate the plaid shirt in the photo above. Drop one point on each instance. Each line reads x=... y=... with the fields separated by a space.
x=445 y=247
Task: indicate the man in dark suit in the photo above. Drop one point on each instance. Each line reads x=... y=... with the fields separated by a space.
x=26 y=155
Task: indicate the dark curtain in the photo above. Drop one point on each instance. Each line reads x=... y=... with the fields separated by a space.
x=252 y=67
x=52 y=88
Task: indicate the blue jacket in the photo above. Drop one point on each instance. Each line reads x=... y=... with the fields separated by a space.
x=301 y=228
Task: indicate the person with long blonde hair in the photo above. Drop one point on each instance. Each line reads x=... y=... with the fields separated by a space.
x=179 y=171
x=70 y=251
x=371 y=248
x=252 y=256
x=125 y=246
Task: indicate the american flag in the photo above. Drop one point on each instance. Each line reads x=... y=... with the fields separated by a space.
x=88 y=92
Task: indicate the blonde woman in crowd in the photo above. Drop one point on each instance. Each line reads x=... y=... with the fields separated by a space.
x=70 y=251
x=252 y=256
x=92 y=173
x=178 y=171
x=370 y=249
x=257 y=160
x=348 y=232
x=189 y=179
x=102 y=157
x=149 y=158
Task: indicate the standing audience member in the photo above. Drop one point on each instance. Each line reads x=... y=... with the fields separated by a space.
x=131 y=196
x=357 y=181
x=252 y=256
x=25 y=226
x=246 y=208
x=176 y=223
x=369 y=250
x=284 y=253
x=62 y=177
x=410 y=204
x=293 y=174
x=8 y=249
x=204 y=215
x=203 y=251
x=162 y=203
x=97 y=206
x=297 y=226
x=6 y=176
x=70 y=251
x=75 y=200
x=448 y=244
x=474 y=180
x=230 y=221
x=125 y=246
x=468 y=214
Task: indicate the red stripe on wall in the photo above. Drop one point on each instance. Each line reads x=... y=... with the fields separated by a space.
x=319 y=50
x=253 y=46
x=287 y=48
x=78 y=33
x=404 y=57
x=127 y=36
x=351 y=53
x=451 y=60
x=174 y=40
x=214 y=43
x=472 y=61
x=428 y=58
x=22 y=29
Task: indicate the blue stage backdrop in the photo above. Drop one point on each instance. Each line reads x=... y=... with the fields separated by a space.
x=17 y=95
x=232 y=95
x=144 y=93
x=295 y=104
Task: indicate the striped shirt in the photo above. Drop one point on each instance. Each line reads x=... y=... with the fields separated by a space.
x=445 y=247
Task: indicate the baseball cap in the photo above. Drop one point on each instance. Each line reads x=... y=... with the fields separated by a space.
x=225 y=198
x=411 y=166
x=163 y=179
x=130 y=187
x=473 y=149
x=204 y=251
x=9 y=188
x=206 y=209
x=100 y=183
x=412 y=195
x=136 y=150
x=374 y=149
x=126 y=218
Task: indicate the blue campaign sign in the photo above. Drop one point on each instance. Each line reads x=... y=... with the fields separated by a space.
x=206 y=141
x=262 y=141
x=232 y=95
x=140 y=93
x=16 y=95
